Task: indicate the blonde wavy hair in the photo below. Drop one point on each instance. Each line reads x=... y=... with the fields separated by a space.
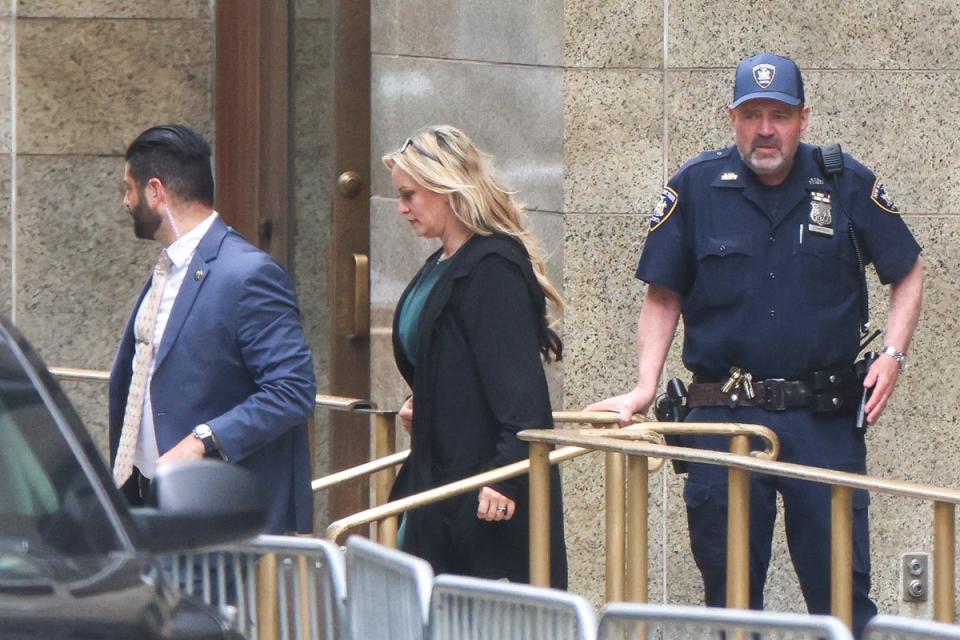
x=444 y=160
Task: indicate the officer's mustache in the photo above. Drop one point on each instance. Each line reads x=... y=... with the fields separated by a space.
x=769 y=141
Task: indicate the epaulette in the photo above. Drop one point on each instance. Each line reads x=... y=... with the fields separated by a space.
x=707 y=156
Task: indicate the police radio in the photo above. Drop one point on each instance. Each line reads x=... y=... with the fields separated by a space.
x=830 y=159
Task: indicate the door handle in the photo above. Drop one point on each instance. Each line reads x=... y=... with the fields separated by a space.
x=361 y=296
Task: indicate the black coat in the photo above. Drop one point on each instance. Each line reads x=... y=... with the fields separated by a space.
x=478 y=380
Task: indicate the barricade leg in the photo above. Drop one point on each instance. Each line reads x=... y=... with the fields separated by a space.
x=841 y=554
x=738 y=529
x=944 y=563
x=616 y=501
x=540 y=514
x=638 y=488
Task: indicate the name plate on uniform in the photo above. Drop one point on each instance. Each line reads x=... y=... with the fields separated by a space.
x=815 y=228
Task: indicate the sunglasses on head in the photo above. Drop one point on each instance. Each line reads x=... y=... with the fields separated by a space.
x=420 y=150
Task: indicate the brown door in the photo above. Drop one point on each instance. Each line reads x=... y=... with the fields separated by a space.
x=292 y=161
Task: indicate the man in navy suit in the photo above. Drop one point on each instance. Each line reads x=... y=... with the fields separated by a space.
x=229 y=373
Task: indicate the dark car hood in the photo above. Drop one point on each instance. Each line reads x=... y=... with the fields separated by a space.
x=127 y=598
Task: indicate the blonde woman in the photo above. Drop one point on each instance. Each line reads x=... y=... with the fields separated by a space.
x=470 y=334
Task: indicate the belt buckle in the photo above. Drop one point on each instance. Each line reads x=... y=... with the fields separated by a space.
x=774 y=394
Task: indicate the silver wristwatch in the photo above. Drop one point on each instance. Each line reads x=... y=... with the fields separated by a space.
x=204 y=434
x=899 y=356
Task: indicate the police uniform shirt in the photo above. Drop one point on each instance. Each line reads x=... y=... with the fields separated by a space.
x=770 y=281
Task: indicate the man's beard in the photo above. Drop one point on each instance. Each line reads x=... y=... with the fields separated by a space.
x=766 y=164
x=145 y=220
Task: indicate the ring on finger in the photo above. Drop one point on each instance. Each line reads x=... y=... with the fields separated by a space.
x=501 y=509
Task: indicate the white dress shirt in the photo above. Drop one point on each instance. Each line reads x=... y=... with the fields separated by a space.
x=180 y=254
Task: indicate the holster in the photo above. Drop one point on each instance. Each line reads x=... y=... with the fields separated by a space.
x=671 y=406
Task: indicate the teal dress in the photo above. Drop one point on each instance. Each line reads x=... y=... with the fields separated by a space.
x=408 y=321
x=413 y=306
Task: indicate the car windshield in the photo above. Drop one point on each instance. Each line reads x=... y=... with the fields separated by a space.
x=51 y=519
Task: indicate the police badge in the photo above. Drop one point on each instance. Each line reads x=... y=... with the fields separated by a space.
x=821 y=214
x=763 y=74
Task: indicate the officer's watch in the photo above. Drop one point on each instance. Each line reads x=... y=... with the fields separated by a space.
x=204 y=434
x=899 y=356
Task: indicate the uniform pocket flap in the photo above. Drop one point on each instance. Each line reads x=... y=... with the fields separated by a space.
x=695 y=494
x=724 y=246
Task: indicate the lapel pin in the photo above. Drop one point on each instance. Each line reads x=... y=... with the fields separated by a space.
x=198 y=275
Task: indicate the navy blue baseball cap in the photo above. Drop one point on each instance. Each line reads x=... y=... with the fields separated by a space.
x=768 y=76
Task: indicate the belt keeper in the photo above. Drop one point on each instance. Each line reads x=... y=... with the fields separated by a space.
x=774 y=394
x=823 y=402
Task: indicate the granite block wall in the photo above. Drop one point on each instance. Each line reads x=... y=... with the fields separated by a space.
x=493 y=69
x=87 y=77
x=311 y=177
x=78 y=81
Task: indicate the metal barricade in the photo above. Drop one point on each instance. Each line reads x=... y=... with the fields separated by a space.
x=623 y=621
x=388 y=592
x=899 y=628
x=473 y=609
x=279 y=586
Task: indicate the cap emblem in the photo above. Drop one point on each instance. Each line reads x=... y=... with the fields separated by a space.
x=764 y=73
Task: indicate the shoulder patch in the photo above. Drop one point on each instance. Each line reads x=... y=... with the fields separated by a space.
x=882 y=199
x=665 y=206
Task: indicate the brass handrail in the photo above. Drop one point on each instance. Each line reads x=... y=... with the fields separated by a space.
x=378 y=464
x=647 y=431
x=842 y=483
x=359 y=471
x=771 y=452
x=79 y=375
x=338 y=528
x=336 y=403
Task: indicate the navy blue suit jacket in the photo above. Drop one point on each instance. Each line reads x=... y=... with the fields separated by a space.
x=234 y=356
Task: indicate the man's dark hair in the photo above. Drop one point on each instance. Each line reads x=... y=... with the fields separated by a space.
x=178 y=157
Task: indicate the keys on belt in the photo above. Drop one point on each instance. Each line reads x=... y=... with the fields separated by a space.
x=739 y=380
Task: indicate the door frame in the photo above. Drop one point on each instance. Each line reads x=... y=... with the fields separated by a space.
x=252 y=104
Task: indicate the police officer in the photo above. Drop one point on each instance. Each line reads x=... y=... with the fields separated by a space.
x=759 y=247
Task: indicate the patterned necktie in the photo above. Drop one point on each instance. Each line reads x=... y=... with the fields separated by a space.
x=145 y=350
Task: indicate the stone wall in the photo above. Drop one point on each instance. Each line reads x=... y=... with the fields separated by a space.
x=493 y=69
x=87 y=77
x=80 y=79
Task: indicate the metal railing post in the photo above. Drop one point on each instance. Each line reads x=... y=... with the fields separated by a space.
x=616 y=503
x=540 y=514
x=384 y=444
x=738 y=529
x=841 y=553
x=638 y=487
x=944 y=562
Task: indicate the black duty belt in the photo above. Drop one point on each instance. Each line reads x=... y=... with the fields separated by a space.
x=824 y=391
